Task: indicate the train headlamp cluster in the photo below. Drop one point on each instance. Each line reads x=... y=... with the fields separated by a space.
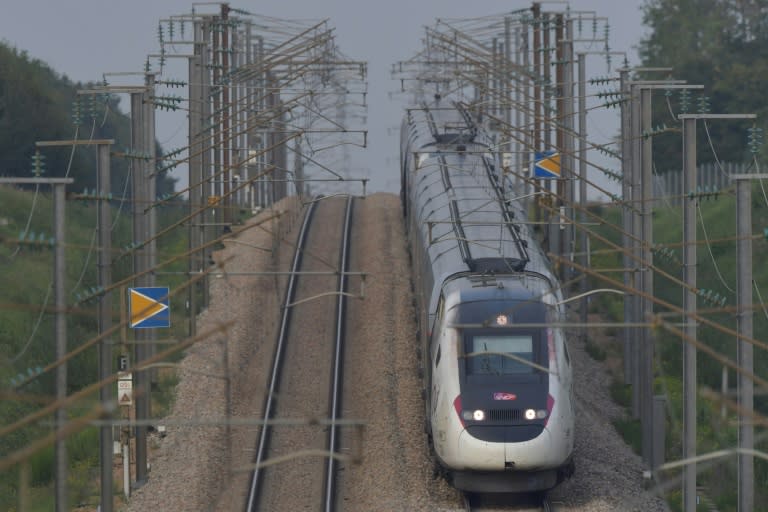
x=533 y=414
x=479 y=414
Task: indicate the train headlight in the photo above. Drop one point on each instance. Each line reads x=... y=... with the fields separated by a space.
x=534 y=414
x=477 y=415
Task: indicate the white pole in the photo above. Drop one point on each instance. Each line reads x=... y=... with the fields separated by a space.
x=127 y=470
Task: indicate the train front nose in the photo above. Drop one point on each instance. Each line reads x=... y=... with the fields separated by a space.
x=499 y=447
x=524 y=455
x=477 y=454
x=491 y=467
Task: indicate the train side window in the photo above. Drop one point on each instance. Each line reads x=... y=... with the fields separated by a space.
x=437 y=327
x=440 y=306
x=438 y=322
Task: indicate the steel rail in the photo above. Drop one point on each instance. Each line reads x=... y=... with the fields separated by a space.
x=329 y=497
x=253 y=492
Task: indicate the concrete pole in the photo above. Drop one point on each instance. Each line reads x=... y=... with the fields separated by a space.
x=546 y=73
x=262 y=138
x=556 y=237
x=745 y=349
x=690 y=301
x=278 y=156
x=506 y=81
x=195 y=168
x=61 y=462
x=537 y=99
x=151 y=179
x=569 y=147
x=217 y=177
x=632 y=161
x=236 y=123
x=270 y=143
x=493 y=78
x=626 y=216
x=635 y=234
x=241 y=113
x=104 y=314
x=226 y=144
x=207 y=137
x=250 y=85
x=528 y=138
x=139 y=195
x=60 y=295
x=583 y=238
x=298 y=167
x=215 y=120
x=521 y=82
x=282 y=149
x=647 y=342
x=150 y=213
x=690 y=306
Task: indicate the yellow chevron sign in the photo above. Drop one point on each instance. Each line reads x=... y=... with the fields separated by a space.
x=149 y=307
x=546 y=165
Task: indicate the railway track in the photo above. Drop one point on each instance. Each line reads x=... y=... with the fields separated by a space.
x=292 y=466
x=507 y=503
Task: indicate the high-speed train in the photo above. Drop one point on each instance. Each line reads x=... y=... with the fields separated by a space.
x=496 y=368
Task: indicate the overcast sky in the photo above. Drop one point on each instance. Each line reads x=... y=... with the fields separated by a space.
x=85 y=38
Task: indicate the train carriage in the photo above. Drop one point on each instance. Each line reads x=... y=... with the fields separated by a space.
x=497 y=375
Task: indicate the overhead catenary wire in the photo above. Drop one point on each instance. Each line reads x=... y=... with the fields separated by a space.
x=477 y=28
x=709 y=250
x=555 y=195
x=234 y=121
x=244 y=184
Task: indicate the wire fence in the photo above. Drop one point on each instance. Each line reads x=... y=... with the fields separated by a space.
x=710 y=177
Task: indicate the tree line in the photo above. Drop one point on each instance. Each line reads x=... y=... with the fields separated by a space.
x=723 y=45
x=37 y=103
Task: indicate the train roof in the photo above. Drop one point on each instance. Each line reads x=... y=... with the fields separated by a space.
x=447 y=124
x=469 y=221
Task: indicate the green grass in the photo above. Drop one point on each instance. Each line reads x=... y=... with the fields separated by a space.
x=630 y=431
x=25 y=284
x=621 y=393
x=717 y=271
x=595 y=351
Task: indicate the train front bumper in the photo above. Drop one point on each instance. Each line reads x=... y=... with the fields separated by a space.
x=527 y=466
x=509 y=453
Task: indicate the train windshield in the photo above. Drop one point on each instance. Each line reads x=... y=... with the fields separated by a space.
x=508 y=354
x=494 y=344
x=500 y=355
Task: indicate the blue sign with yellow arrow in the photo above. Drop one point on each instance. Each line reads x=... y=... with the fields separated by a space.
x=546 y=165
x=149 y=307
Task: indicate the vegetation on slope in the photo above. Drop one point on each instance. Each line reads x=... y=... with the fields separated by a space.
x=37 y=104
x=716 y=271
